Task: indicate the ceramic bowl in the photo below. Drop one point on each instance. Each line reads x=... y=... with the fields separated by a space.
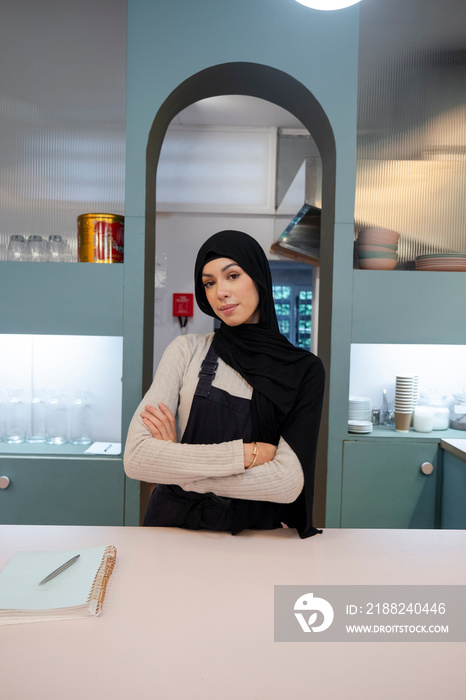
x=368 y=248
x=378 y=254
x=375 y=241
x=377 y=264
x=380 y=234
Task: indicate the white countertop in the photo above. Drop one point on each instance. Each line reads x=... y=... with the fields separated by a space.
x=456 y=447
x=190 y=615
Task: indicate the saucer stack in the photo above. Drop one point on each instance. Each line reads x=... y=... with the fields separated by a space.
x=448 y=262
x=378 y=249
x=406 y=397
x=359 y=414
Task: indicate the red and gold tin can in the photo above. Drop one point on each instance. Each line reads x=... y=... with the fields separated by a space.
x=101 y=238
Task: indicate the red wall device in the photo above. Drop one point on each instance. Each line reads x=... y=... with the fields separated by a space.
x=183 y=304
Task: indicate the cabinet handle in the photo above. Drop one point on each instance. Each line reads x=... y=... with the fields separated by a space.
x=4 y=482
x=427 y=468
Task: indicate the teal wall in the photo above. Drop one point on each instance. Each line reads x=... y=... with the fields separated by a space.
x=168 y=43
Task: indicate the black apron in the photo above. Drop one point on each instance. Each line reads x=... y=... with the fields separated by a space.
x=215 y=417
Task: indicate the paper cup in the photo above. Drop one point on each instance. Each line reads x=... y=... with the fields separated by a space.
x=402 y=421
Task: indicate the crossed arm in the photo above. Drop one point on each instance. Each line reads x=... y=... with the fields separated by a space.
x=162 y=426
x=152 y=452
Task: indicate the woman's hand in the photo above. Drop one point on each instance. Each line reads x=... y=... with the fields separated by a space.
x=266 y=453
x=160 y=421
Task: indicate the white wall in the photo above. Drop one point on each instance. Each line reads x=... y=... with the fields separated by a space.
x=374 y=368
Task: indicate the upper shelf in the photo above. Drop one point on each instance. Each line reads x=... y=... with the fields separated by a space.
x=409 y=307
x=25 y=449
x=384 y=432
x=61 y=298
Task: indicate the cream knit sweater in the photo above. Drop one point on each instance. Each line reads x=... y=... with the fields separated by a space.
x=204 y=468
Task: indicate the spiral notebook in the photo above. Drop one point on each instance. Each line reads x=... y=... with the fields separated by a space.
x=79 y=591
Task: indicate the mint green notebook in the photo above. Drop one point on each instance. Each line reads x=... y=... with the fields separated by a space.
x=79 y=591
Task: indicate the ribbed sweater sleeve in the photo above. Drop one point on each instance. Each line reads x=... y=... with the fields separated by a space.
x=157 y=461
x=279 y=481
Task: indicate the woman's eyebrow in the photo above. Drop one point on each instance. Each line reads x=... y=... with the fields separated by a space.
x=233 y=264
x=207 y=274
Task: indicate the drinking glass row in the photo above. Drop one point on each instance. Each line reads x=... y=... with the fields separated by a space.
x=36 y=249
x=54 y=419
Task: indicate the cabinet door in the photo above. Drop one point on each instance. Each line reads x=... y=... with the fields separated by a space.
x=53 y=491
x=454 y=492
x=383 y=485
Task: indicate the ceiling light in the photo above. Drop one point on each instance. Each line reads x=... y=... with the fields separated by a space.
x=328 y=4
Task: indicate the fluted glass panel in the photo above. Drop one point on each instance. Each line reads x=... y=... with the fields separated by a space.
x=62 y=115
x=216 y=169
x=411 y=154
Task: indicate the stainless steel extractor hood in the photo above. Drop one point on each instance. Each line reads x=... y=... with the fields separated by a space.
x=301 y=238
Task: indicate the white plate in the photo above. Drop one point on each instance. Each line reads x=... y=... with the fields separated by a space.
x=355 y=426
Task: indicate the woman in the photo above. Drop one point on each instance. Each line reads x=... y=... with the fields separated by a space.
x=245 y=402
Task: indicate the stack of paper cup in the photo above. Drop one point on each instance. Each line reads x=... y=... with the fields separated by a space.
x=406 y=397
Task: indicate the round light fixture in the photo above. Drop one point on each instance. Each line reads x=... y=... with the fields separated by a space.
x=328 y=4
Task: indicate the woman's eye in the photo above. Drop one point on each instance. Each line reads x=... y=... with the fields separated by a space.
x=208 y=285
x=234 y=275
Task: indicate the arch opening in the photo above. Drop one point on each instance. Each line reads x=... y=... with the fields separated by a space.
x=281 y=89
x=253 y=80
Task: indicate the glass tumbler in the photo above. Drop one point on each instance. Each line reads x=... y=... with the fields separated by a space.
x=56 y=249
x=15 y=418
x=17 y=249
x=81 y=419
x=57 y=419
x=37 y=430
x=37 y=248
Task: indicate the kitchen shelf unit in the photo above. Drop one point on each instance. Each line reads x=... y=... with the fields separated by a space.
x=60 y=484
x=403 y=306
x=61 y=298
x=380 y=483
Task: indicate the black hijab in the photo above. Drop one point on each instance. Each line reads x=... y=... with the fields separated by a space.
x=287 y=382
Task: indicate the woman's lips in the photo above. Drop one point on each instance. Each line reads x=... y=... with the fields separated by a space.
x=228 y=309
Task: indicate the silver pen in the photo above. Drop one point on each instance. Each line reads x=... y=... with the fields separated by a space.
x=60 y=569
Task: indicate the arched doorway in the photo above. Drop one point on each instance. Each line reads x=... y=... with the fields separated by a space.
x=283 y=90
x=238 y=79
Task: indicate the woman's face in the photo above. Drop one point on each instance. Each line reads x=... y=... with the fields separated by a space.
x=231 y=293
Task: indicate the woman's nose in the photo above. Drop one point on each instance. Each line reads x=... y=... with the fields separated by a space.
x=223 y=291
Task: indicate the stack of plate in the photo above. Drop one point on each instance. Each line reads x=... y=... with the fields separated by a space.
x=378 y=249
x=359 y=414
x=449 y=262
x=360 y=407
x=359 y=426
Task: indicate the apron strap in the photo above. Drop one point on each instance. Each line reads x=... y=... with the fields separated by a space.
x=207 y=373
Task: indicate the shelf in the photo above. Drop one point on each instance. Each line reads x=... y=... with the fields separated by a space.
x=25 y=449
x=382 y=431
x=61 y=298
x=408 y=307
